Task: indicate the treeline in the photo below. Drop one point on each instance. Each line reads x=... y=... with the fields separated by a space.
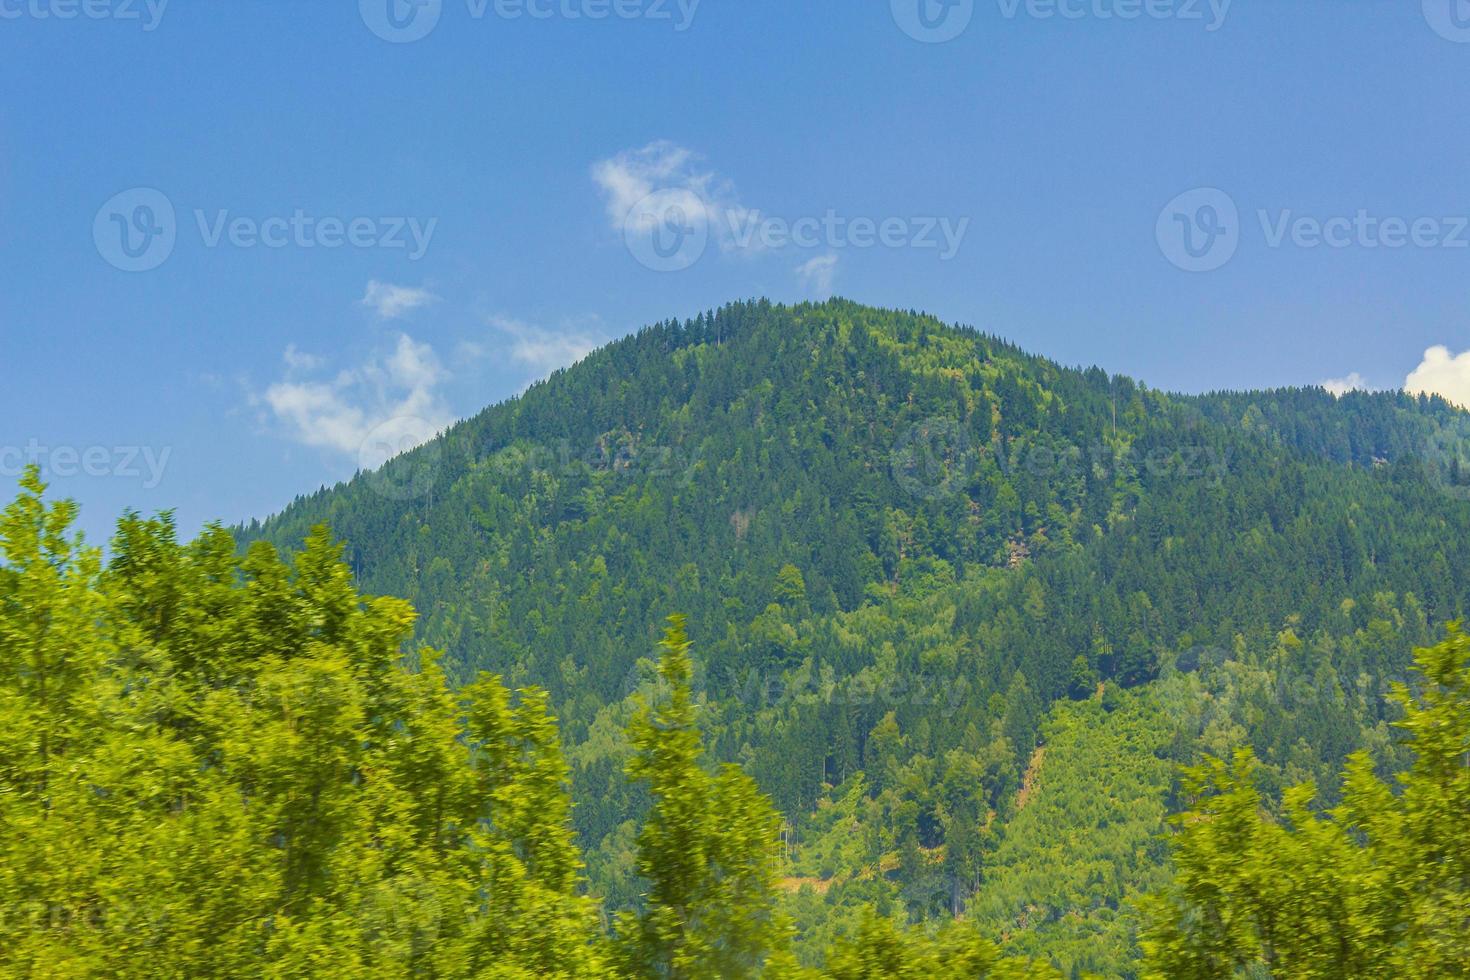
x=223 y=765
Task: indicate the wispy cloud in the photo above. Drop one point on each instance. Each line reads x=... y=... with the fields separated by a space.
x=818 y=274
x=669 y=206
x=1442 y=373
x=347 y=412
x=1337 y=387
x=664 y=177
x=298 y=360
x=390 y=301
x=542 y=349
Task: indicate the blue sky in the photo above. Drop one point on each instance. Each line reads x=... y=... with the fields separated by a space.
x=382 y=219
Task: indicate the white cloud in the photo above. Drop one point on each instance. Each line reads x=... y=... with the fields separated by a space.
x=544 y=350
x=1337 y=387
x=818 y=274
x=298 y=360
x=634 y=174
x=391 y=302
x=348 y=413
x=1442 y=373
x=663 y=176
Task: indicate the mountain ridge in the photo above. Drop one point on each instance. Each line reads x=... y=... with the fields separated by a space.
x=899 y=546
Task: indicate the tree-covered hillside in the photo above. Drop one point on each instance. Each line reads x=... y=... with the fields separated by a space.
x=902 y=547
x=216 y=765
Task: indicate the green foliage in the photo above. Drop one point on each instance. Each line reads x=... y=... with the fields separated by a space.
x=214 y=766
x=1377 y=886
x=879 y=950
x=1071 y=865
x=707 y=848
x=911 y=554
x=868 y=512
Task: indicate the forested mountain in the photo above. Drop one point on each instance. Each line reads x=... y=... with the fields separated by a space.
x=947 y=632
x=926 y=576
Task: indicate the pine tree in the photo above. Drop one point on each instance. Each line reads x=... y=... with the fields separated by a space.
x=707 y=848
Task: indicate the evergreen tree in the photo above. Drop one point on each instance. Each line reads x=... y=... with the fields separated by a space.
x=707 y=848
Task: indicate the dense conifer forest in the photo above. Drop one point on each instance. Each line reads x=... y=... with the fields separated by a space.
x=783 y=641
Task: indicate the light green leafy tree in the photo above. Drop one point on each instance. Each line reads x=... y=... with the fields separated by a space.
x=222 y=766
x=1378 y=886
x=707 y=849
